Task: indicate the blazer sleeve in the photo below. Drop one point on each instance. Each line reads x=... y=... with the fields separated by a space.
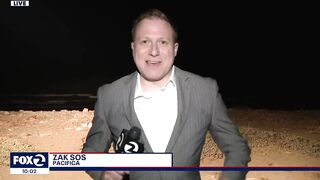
x=228 y=138
x=99 y=135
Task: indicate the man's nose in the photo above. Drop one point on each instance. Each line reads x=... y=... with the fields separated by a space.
x=154 y=49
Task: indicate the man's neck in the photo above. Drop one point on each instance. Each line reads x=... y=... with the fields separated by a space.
x=151 y=86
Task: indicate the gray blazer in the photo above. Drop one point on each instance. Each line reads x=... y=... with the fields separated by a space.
x=200 y=109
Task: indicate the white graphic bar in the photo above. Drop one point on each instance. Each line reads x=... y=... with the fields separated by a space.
x=110 y=160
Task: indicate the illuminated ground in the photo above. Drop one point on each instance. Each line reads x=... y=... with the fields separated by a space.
x=277 y=138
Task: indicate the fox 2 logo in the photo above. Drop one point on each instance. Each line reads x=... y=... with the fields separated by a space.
x=29 y=160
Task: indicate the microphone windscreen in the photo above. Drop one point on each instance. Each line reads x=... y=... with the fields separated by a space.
x=134 y=133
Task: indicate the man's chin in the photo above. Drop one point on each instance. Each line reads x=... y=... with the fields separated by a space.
x=153 y=79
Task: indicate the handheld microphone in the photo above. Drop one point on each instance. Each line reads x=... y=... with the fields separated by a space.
x=128 y=141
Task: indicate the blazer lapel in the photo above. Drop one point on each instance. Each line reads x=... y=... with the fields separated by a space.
x=130 y=112
x=183 y=103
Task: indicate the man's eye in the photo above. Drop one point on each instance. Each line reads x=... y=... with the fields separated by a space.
x=144 y=42
x=163 y=42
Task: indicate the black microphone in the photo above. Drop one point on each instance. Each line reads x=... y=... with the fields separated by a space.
x=128 y=141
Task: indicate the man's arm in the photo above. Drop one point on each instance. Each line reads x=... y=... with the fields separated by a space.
x=99 y=135
x=228 y=138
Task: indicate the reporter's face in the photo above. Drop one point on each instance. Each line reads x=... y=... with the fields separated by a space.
x=154 y=49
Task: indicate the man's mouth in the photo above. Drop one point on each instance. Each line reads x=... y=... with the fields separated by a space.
x=153 y=62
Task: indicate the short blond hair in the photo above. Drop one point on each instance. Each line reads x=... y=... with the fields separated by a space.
x=154 y=13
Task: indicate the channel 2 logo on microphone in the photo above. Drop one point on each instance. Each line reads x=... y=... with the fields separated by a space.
x=29 y=162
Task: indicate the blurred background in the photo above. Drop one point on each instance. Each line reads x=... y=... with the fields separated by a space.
x=55 y=54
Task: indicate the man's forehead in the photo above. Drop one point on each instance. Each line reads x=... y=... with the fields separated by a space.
x=154 y=25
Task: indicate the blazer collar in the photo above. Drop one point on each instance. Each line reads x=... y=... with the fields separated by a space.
x=181 y=79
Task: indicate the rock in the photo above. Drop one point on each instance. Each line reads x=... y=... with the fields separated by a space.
x=78 y=129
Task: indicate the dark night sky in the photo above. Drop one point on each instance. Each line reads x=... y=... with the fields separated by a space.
x=257 y=53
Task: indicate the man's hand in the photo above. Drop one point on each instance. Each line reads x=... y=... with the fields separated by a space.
x=113 y=175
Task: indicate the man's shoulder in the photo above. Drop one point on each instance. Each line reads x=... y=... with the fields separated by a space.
x=194 y=78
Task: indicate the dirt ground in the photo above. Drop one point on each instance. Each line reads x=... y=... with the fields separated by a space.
x=277 y=138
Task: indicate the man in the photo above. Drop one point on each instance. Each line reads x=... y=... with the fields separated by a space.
x=173 y=108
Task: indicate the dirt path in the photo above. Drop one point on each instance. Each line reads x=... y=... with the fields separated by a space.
x=277 y=138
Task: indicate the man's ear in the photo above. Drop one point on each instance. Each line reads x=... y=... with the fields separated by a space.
x=176 y=47
x=132 y=48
